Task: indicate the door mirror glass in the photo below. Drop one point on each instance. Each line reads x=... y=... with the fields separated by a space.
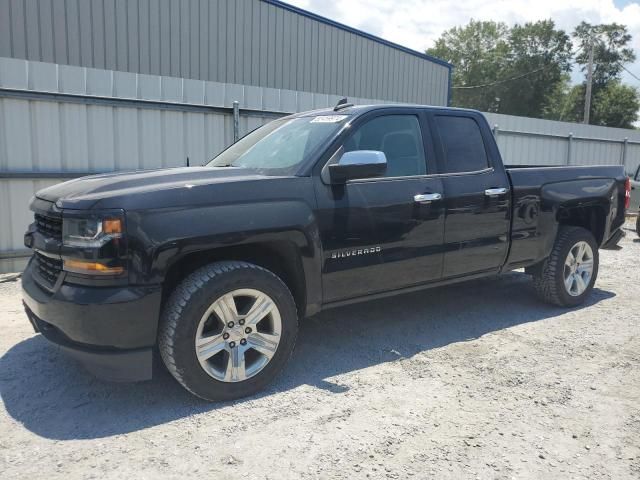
x=358 y=164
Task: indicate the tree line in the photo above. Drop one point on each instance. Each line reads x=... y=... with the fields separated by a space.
x=525 y=70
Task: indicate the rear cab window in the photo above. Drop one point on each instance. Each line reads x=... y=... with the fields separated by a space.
x=463 y=148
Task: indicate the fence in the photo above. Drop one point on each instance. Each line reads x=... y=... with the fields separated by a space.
x=536 y=142
x=59 y=122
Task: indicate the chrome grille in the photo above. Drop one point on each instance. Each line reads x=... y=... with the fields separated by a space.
x=49 y=226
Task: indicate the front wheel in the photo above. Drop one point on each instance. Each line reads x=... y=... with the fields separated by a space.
x=227 y=330
x=567 y=276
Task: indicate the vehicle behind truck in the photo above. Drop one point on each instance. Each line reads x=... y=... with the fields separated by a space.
x=214 y=266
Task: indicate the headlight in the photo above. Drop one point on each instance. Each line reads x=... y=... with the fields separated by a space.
x=90 y=232
x=94 y=243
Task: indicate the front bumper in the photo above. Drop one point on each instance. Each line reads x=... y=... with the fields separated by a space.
x=111 y=330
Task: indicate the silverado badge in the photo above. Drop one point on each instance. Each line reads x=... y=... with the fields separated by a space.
x=355 y=252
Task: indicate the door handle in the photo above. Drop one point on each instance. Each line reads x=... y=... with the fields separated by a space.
x=495 y=192
x=427 y=197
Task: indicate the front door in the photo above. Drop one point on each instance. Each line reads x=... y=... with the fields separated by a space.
x=379 y=234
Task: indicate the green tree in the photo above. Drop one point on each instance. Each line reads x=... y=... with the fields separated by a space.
x=610 y=50
x=614 y=105
x=498 y=69
x=564 y=102
x=524 y=70
x=479 y=51
x=539 y=48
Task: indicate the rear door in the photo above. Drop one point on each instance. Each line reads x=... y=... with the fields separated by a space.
x=476 y=195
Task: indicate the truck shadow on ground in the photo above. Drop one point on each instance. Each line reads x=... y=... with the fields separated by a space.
x=53 y=397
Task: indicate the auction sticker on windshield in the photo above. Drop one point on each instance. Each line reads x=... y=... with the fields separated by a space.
x=329 y=119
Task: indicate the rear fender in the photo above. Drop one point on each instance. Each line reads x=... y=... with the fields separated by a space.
x=537 y=215
x=600 y=193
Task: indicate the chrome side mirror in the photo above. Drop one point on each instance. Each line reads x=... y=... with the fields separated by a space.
x=358 y=164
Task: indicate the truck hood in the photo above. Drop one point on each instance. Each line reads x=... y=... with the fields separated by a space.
x=122 y=189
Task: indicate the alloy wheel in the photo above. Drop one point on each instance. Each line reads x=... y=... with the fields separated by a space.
x=238 y=335
x=578 y=268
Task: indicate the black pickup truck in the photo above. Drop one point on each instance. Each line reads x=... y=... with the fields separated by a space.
x=213 y=266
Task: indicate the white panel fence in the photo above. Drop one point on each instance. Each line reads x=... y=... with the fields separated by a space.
x=58 y=122
x=544 y=142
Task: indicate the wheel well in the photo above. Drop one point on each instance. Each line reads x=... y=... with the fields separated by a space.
x=592 y=218
x=281 y=258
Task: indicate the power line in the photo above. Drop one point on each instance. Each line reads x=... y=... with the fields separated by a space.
x=498 y=82
x=629 y=72
x=517 y=77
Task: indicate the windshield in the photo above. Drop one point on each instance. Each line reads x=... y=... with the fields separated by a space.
x=281 y=146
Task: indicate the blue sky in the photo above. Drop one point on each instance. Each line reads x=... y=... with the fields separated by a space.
x=417 y=23
x=623 y=3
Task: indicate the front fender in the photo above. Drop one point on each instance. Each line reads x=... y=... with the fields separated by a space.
x=160 y=238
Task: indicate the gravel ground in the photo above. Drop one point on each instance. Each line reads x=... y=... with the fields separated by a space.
x=478 y=380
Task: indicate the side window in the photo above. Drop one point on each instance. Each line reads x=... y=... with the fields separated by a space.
x=462 y=143
x=399 y=137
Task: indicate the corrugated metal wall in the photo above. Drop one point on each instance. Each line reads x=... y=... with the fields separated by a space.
x=57 y=135
x=533 y=141
x=14 y=198
x=164 y=121
x=249 y=42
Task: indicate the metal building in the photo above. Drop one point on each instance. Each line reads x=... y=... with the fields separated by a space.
x=99 y=85
x=263 y=43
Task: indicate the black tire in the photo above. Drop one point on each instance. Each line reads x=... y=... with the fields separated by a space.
x=548 y=278
x=190 y=300
x=638 y=225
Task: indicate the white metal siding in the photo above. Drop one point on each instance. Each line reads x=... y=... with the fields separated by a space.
x=14 y=215
x=591 y=144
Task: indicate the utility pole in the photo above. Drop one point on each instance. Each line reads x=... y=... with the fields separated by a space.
x=587 y=95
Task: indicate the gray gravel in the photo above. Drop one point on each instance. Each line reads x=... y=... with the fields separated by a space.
x=478 y=380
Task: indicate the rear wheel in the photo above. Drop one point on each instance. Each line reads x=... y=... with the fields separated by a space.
x=638 y=225
x=227 y=330
x=567 y=277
